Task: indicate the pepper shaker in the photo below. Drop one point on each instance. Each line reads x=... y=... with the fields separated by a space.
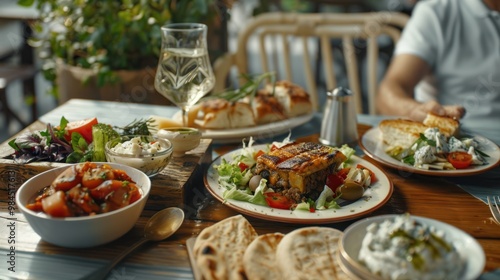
x=339 y=124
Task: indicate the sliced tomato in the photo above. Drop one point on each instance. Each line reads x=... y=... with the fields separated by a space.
x=373 y=178
x=333 y=181
x=242 y=166
x=459 y=160
x=277 y=200
x=84 y=127
x=343 y=172
x=258 y=154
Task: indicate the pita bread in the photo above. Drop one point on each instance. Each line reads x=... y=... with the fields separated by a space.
x=310 y=253
x=259 y=259
x=219 y=248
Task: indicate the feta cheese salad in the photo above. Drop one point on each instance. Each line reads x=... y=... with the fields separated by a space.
x=236 y=176
x=433 y=150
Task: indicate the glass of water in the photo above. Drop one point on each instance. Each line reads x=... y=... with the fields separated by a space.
x=184 y=74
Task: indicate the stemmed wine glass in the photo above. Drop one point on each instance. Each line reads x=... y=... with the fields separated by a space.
x=184 y=74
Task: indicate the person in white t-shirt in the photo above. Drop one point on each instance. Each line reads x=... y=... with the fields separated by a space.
x=448 y=62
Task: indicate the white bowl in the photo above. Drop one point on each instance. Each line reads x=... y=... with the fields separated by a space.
x=87 y=231
x=468 y=248
x=183 y=138
x=151 y=164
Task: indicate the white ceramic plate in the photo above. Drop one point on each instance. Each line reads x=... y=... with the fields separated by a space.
x=372 y=145
x=234 y=135
x=375 y=197
x=468 y=248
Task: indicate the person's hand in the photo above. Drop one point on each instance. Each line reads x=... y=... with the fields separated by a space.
x=419 y=112
x=454 y=111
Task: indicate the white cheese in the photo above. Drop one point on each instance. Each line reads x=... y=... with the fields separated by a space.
x=425 y=154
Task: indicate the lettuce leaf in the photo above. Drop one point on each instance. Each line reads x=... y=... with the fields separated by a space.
x=246 y=195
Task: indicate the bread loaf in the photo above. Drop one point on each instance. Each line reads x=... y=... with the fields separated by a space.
x=401 y=132
x=222 y=114
x=267 y=108
x=447 y=126
x=294 y=99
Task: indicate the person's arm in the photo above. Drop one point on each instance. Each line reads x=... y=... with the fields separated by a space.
x=395 y=95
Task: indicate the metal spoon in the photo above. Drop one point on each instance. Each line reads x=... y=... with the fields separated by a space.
x=159 y=227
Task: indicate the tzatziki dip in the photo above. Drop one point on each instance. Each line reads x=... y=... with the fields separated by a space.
x=145 y=153
x=137 y=147
x=402 y=248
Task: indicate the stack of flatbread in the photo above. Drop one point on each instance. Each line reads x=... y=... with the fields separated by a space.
x=231 y=249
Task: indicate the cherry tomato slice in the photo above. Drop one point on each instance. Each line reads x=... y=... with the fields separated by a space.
x=343 y=172
x=333 y=181
x=84 y=127
x=258 y=154
x=459 y=160
x=277 y=200
x=242 y=166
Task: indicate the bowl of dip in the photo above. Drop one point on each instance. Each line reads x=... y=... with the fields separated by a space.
x=409 y=247
x=183 y=139
x=144 y=152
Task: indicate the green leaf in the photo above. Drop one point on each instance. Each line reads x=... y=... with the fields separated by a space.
x=481 y=153
x=26 y=3
x=13 y=145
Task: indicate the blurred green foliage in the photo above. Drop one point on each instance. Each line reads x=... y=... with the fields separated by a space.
x=108 y=35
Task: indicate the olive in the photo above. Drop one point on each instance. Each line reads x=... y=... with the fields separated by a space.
x=350 y=190
x=254 y=182
x=265 y=174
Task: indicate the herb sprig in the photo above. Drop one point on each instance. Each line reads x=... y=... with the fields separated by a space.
x=249 y=89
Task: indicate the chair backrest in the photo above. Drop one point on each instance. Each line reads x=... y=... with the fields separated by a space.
x=296 y=45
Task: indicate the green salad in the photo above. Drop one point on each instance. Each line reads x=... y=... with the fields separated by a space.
x=240 y=183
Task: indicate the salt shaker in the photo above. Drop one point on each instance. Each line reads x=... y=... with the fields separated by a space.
x=339 y=125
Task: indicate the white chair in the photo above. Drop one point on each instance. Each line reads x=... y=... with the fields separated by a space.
x=280 y=38
x=12 y=71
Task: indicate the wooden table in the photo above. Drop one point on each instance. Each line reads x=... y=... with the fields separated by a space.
x=430 y=197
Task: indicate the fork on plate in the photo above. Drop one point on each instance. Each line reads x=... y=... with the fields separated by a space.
x=494 y=203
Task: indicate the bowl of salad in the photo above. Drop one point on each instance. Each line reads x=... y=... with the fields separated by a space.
x=84 y=205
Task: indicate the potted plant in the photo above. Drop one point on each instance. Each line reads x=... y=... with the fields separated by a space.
x=111 y=46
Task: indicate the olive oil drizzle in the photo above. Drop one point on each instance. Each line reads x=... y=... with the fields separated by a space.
x=428 y=239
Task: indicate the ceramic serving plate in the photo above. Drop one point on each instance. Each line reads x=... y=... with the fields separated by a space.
x=468 y=248
x=269 y=130
x=374 y=197
x=371 y=143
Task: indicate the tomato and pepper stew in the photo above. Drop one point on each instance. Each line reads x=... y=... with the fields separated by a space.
x=86 y=189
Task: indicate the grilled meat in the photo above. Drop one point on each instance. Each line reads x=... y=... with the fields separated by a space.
x=299 y=168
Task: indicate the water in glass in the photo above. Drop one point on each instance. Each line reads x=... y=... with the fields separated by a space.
x=184 y=73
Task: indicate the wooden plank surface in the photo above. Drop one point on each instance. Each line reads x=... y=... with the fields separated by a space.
x=171 y=187
x=431 y=197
